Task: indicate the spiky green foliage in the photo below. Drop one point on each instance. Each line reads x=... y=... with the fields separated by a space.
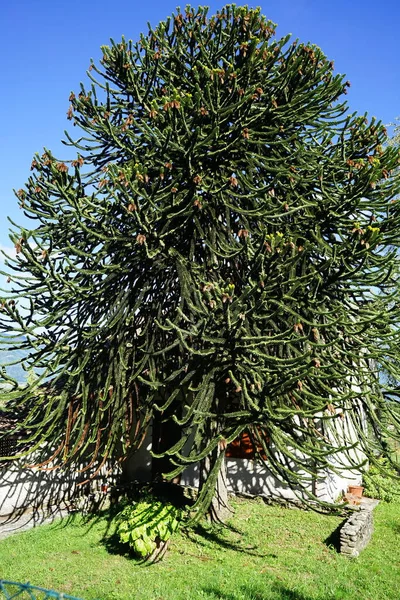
x=223 y=249
x=146 y=524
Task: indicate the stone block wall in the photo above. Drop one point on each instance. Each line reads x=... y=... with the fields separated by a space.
x=357 y=530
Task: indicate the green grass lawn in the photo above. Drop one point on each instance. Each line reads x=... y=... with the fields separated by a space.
x=269 y=553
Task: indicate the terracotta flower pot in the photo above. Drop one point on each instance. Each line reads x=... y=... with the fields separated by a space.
x=356 y=490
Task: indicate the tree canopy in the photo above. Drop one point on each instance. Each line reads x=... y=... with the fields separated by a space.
x=222 y=251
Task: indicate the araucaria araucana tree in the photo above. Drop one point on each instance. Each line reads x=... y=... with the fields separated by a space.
x=221 y=255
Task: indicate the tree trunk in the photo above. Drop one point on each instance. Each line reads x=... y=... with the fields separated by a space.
x=165 y=434
x=219 y=510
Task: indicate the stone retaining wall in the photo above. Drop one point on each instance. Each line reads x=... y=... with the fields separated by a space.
x=357 y=530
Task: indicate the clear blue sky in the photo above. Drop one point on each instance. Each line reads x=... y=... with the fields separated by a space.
x=46 y=47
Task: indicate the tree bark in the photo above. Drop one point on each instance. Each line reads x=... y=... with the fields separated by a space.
x=219 y=510
x=165 y=434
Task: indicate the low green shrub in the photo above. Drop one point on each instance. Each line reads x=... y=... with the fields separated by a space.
x=147 y=524
x=382 y=482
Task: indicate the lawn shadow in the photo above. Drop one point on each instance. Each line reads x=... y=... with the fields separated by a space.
x=208 y=533
x=213 y=534
x=113 y=545
x=333 y=539
x=277 y=592
x=90 y=516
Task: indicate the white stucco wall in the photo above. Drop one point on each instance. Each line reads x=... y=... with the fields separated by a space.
x=252 y=477
x=247 y=476
x=23 y=489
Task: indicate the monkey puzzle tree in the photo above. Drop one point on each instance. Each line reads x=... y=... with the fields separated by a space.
x=222 y=252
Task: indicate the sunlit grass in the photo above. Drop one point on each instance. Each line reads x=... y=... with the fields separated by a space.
x=268 y=553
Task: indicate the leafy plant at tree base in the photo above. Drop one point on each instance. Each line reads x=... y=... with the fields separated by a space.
x=221 y=256
x=146 y=525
